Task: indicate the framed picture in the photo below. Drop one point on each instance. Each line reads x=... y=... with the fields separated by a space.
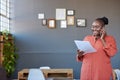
x=63 y=24
x=70 y=20
x=60 y=14
x=70 y=12
x=51 y=23
x=81 y=22
x=44 y=22
x=41 y=16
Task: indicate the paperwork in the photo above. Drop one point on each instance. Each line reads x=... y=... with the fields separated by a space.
x=84 y=46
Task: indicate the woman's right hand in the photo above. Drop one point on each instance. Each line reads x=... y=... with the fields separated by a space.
x=80 y=53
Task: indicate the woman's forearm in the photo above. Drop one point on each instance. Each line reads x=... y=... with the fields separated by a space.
x=103 y=41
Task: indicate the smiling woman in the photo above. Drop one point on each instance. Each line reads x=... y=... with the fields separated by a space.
x=98 y=63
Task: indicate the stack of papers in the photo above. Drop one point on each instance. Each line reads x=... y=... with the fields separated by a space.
x=84 y=46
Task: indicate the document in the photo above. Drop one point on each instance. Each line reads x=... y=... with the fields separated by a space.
x=84 y=46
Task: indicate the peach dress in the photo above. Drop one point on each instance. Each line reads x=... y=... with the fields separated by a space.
x=97 y=65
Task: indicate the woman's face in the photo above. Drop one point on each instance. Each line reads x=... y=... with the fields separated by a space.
x=96 y=28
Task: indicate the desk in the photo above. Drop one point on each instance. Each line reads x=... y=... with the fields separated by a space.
x=58 y=78
x=51 y=74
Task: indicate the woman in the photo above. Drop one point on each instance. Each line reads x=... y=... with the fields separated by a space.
x=97 y=65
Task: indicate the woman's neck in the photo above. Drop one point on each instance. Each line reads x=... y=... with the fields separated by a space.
x=97 y=37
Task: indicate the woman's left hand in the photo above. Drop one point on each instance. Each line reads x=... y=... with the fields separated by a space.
x=103 y=33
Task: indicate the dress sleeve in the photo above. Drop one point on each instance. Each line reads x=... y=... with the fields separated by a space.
x=111 y=47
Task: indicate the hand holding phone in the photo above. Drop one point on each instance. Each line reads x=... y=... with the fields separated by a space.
x=102 y=33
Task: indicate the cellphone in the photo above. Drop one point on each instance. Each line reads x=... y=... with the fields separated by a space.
x=101 y=31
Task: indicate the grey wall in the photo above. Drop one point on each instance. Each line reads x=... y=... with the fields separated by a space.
x=39 y=46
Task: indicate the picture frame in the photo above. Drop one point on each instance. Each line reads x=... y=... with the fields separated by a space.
x=81 y=22
x=41 y=16
x=51 y=23
x=70 y=12
x=63 y=24
x=60 y=14
x=44 y=22
x=70 y=20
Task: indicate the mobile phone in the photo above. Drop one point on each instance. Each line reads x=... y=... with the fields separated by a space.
x=100 y=33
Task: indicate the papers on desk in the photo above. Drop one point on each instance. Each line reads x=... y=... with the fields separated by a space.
x=84 y=46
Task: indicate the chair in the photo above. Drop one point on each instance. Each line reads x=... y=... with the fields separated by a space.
x=35 y=74
x=116 y=74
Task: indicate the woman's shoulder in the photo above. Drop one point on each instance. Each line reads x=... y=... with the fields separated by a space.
x=110 y=37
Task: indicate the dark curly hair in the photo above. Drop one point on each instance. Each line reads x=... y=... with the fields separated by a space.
x=103 y=20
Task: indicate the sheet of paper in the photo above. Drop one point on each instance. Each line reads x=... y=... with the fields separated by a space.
x=84 y=46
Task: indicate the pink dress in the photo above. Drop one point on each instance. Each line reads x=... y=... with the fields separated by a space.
x=97 y=65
